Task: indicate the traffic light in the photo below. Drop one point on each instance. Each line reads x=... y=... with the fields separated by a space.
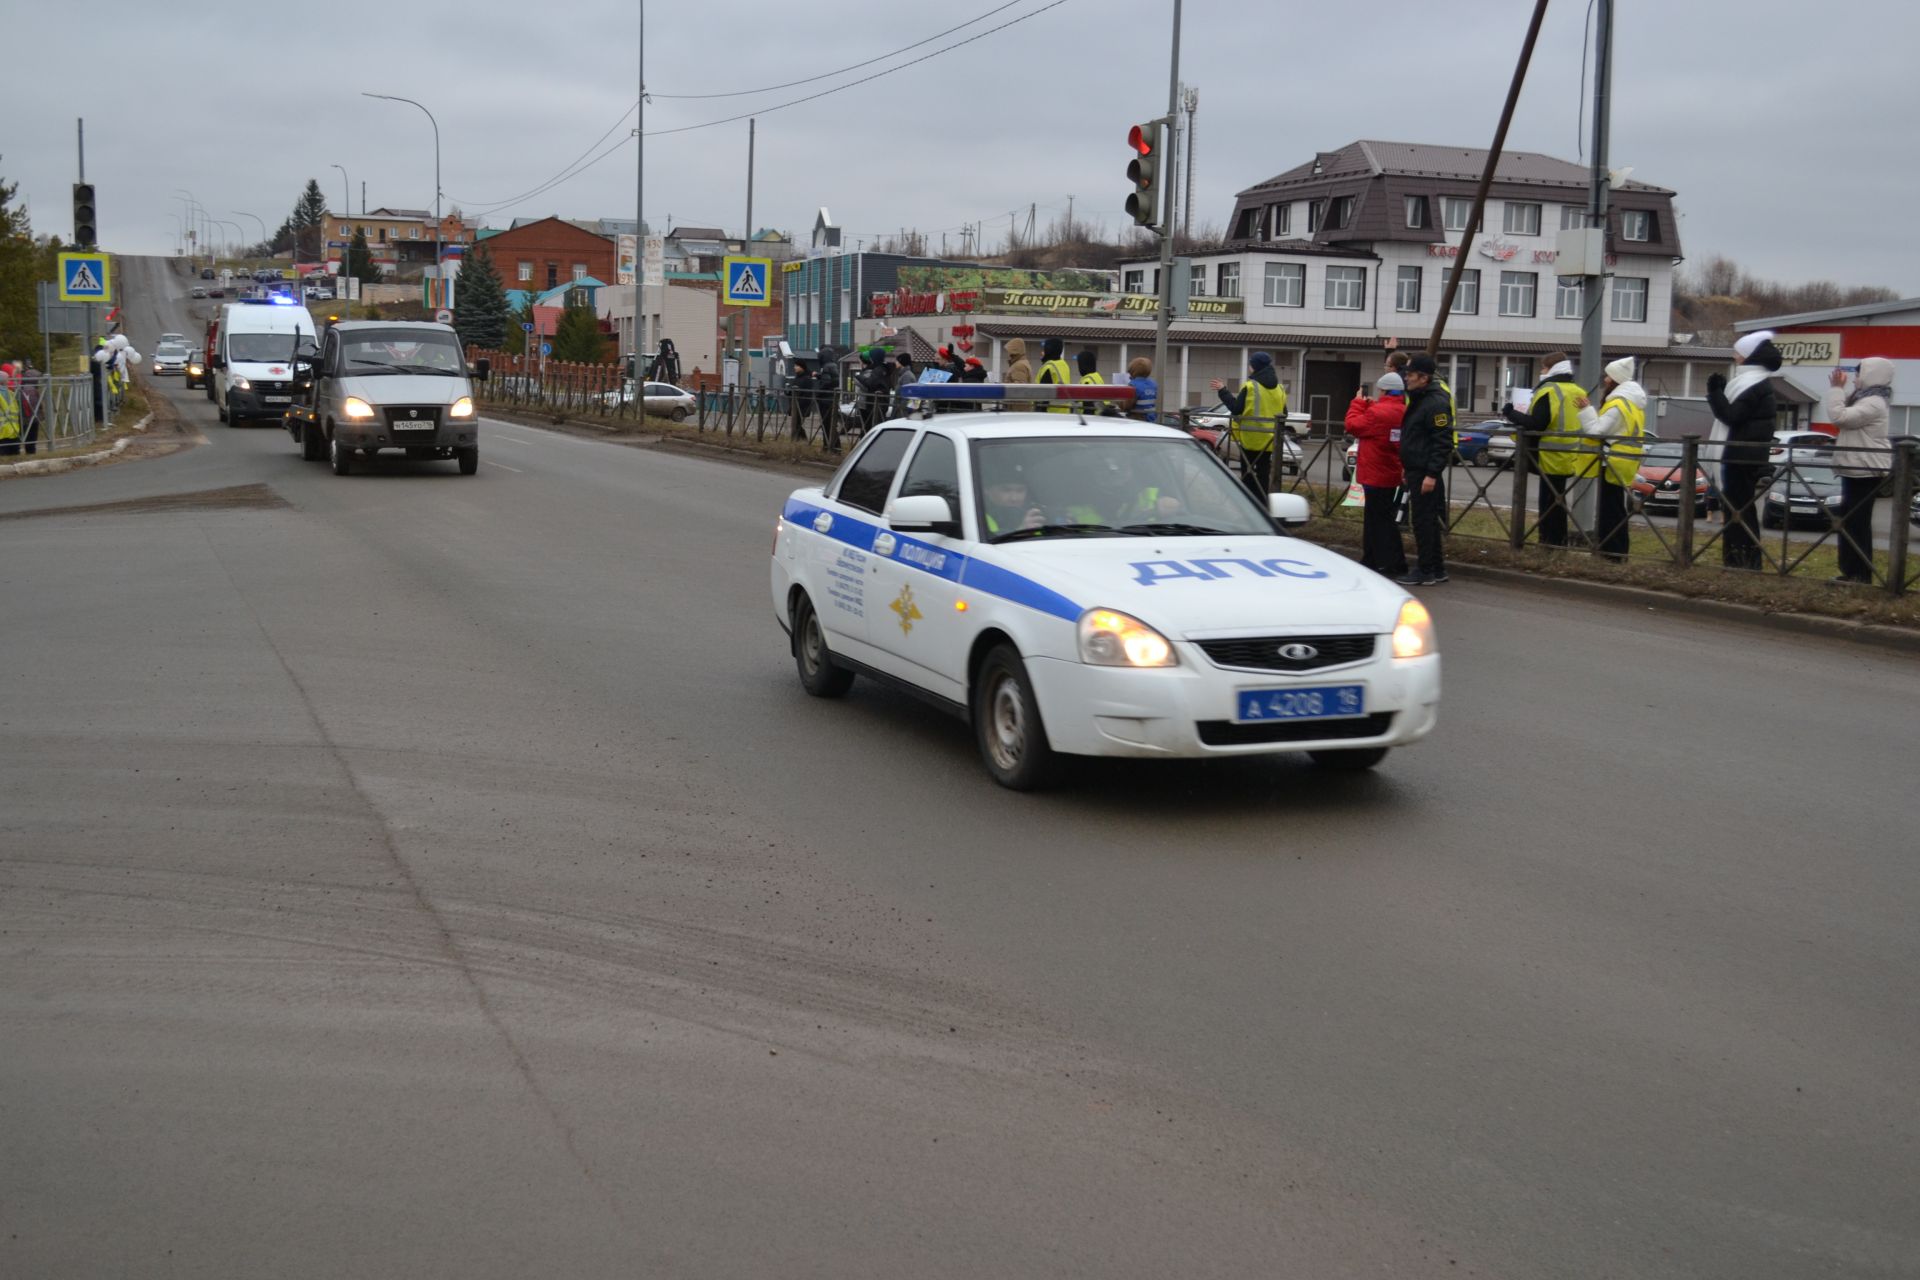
x=1144 y=204
x=85 y=234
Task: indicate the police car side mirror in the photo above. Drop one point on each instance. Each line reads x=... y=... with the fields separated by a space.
x=1288 y=508
x=923 y=511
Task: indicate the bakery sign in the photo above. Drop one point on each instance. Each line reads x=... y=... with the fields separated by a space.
x=1055 y=302
x=1808 y=348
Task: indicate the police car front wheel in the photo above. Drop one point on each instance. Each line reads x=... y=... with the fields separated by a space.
x=819 y=674
x=1006 y=723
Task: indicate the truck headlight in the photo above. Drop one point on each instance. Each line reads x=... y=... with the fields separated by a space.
x=355 y=407
x=1413 y=632
x=1109 y=638
x=462 y=408
x=238 y=383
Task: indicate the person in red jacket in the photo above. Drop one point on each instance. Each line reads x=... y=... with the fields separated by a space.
x=1376 y=425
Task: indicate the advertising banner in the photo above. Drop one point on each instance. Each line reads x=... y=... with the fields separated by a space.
x=623 y=262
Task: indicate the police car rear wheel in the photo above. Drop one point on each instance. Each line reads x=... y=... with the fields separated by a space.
x=819 y=675
x=1006 y=722
x=1350 y=759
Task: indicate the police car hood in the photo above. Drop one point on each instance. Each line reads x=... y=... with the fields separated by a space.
x=1194 y=586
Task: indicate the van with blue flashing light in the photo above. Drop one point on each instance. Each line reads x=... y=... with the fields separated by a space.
x=251 y=364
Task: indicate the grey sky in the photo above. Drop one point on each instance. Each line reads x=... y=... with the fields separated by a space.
x=1781 y=129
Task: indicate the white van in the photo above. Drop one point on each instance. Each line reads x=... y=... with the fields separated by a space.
x=253 y=365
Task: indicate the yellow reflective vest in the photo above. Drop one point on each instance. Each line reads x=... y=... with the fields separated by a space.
x=1062 y=376
x=1092 y=380
x=1624 y=450
x=1264 y=407
x=9 y=414
x=1563 y=450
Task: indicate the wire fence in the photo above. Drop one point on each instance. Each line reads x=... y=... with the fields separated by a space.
x=56 y=414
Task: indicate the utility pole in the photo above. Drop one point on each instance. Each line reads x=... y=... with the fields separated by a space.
x=1164 y=313
x=639 y=205
x=1593 y=286
x=747 y=232
x=1069 y=219
x=1192 y=104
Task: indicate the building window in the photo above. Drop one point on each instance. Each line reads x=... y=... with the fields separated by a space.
x=345 y=230
x=383 y=235
x=1466 y=298
x=1455 y=210
x=1197 y=280
x=1316 y=210
x=1569 y=298
x=1406 y=290
x=1282 y=220
x=846 y=305
x=413 y=233
x=1417 y=213
x=1516 y=292
x=1341 y=214
x=1346 y=288
x=1630 y=299
x=1572 y=217
x=1636 y=224
x=1522 y=219
x=553 y=275
x=1229 y=279
x=1136 y=282
x=526 y=272
x=579 y=271
x=1286 y=284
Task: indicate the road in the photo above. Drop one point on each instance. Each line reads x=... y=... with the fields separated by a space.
x=411 y=874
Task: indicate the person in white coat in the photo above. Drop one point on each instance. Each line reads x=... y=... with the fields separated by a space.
x=1621 y=423
x=1861 y=455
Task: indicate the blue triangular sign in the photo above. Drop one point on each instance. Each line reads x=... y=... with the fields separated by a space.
x=746 y=283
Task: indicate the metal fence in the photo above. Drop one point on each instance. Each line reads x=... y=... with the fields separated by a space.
x=57 y=414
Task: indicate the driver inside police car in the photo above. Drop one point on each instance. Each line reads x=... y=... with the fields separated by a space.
x=1008 y=504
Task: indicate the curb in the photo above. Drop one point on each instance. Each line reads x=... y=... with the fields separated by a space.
x=58 y=466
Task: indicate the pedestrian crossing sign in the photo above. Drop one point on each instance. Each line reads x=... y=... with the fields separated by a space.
x=85 y=277
x=746 y=281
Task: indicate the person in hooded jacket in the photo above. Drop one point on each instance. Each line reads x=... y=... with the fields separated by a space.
x=1376 y=425
x=1054 y=369
x=1744 y=411
x=800 y=397
x=1018 y=370
x=1622 y=423
x=1555 y=413
x=875 y=386
x=1861 y=454
x=1259 y=409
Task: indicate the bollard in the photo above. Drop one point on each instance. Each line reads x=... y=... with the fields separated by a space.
x=1517 y=532
x=1901 y=526
x=1689 y=464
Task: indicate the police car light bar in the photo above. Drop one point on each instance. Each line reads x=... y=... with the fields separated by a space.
x=988 y=392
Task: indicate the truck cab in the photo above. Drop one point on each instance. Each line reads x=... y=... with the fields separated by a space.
x=377 y=385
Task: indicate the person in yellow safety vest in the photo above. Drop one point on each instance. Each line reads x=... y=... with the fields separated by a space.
x=1259 y=409
x=1054 y=369
x=1563 y=454
x=10 y=415
x=1622 y=423
x=1090 y=376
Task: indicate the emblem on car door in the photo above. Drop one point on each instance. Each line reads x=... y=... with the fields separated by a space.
x=1297 y=652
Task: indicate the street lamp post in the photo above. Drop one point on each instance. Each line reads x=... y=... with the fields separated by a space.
x=438 y=267
x=346 y=207
x=263 y=226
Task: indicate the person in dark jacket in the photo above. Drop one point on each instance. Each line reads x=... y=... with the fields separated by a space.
x=1426 y=445
x=1743 y=416
x=875 y=386
x=799 y=398
x=1555 y=408
x=974 y=371
x=826 y=396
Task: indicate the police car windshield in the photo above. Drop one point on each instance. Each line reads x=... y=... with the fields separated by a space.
x=429 y=351
x=1107 y=486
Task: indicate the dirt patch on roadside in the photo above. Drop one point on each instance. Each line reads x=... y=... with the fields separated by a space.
x=233 y=497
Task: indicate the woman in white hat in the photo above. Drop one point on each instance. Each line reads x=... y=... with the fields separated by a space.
x=1621 y=422
x=1743 y=417
x=1861 y=455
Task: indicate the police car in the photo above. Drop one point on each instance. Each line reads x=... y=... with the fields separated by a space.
x=1079 y=585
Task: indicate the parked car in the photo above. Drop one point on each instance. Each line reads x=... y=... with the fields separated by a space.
x=1498 y=450
x=1808 y=493
x=216 y=293
x=1658 y=486
x=1470 y=443
x=1211 y=428
x=199 y=291
x=1799 y=448
x=206 y=273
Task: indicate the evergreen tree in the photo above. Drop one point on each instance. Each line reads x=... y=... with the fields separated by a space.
x=21 y=263
x=360 y=263
x=311 y=210
x=578 y=337
x=481 y=317
x=516 y=335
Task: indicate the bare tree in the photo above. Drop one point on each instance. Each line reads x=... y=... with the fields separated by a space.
x=1711 y=297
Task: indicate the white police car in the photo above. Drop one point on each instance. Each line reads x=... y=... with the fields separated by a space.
x=1093 y=586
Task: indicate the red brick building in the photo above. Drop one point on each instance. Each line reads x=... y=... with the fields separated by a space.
x=546 y=254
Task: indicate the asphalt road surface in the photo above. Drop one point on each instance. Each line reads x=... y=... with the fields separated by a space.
x=420 y=875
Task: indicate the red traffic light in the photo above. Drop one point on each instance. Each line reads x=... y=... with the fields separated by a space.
x=1140 y=138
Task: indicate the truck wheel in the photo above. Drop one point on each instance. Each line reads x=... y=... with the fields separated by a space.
x=340 y=456
x=1350 y=759
x=1006 y=724
x=819 y=674
x=469 y=460
x=313 y=446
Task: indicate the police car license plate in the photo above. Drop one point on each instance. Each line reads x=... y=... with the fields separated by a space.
x=1321 y=702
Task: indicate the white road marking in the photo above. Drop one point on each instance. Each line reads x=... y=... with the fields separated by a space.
x=501 y=435
x=504 y=467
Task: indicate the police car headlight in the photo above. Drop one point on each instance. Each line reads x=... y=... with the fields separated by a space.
x=1413 y=633
x=239 y=383
x=462 y=408
x=355 y=407
x=1109 y=638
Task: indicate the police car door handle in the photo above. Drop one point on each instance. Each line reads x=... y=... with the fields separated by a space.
x=822 y=522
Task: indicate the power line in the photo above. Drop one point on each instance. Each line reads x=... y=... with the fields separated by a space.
x=742 y=93
x=484 y=205
x=781 y=106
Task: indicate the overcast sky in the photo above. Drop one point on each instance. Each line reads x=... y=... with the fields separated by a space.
x=1785 y=127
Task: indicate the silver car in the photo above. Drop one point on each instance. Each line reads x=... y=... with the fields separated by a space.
x=660 y=400
x=377 y=384
x=171 y=357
